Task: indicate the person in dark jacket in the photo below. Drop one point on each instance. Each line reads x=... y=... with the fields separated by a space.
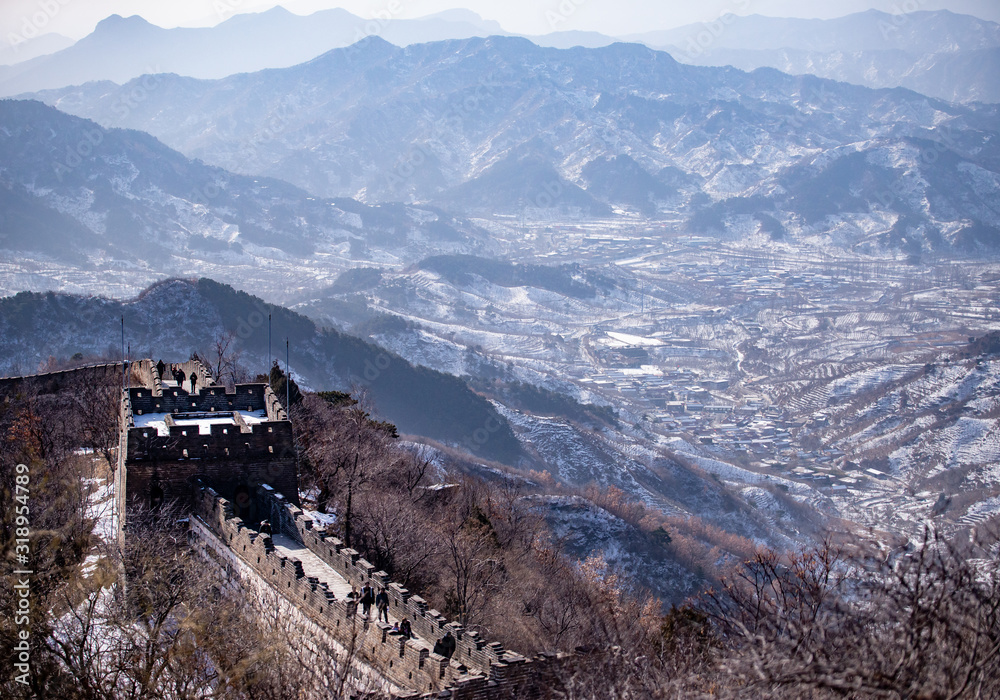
x=404 y=629
x=448 y=644
x=367 y=599
x=382 y=605
x=160 y=367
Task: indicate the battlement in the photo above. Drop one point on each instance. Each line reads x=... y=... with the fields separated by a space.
x=171 y=399
x=171 y=436
x=222 y=441
x=478 y=669
x=404 y=662
x=471 y=650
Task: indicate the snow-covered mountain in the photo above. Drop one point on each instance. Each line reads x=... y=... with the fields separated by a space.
x=500 y=125
x=936 y=53
x=121 y=205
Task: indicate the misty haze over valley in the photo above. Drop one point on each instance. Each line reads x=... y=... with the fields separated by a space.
x=694 y=292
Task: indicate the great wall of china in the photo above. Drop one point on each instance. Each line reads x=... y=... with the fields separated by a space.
x=231 y=458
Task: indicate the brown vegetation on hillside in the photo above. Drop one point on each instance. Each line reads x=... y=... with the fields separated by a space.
x=151 y=620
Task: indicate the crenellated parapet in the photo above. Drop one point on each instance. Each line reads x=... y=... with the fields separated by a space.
x=478 y=669
x=405 y=662
x=222 y=441
x=170 y=436
x=472 y=650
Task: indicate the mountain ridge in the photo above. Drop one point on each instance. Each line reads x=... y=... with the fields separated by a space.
x=431 y=123
x=37 y=325
x=102 y=199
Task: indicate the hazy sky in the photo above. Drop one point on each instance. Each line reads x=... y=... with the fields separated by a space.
x=77 y=18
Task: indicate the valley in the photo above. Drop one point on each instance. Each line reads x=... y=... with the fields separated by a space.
x=615 y=350
x=795 y=374
x=813 y=388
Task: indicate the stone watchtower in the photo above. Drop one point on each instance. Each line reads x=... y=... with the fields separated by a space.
x=172 y=436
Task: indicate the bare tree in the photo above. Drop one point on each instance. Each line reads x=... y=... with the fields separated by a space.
x=97 y=400
x=863 y=622
x=473 y=560
x=348 y=450
x=224 y=360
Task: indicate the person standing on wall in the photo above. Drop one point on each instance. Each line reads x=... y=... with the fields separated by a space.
x=367 y=598
x=382 y=605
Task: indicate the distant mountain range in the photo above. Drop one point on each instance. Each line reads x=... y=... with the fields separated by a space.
x=104 y=200
x=17 y=49
x=123 y=48
x=500 y=125
x=917 y=32
x=940 y=54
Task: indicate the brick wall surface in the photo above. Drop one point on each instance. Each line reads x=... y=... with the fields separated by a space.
x=247 y=397
x=478 y=669
x=322 y=655
x=51 y=382
x=230 y=456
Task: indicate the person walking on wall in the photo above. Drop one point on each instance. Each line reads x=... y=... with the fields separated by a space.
x=382 y=605
x=367 y=598
x=194 y=382
x=448 y=644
